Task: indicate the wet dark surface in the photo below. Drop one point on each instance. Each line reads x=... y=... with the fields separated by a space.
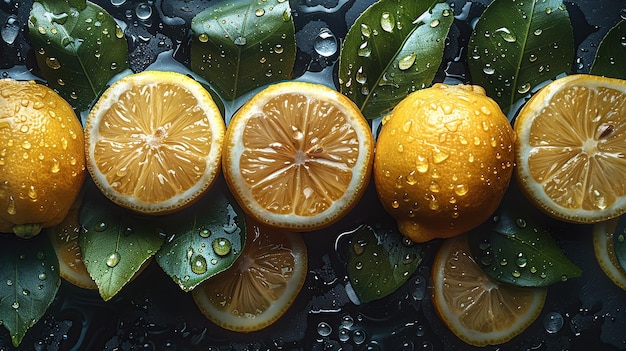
x=152 y=313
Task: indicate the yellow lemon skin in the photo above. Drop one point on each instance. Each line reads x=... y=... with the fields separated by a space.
x=42 y=157
x=444 y=158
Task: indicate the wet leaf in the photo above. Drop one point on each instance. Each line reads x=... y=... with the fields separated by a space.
x=517 y=45
x=241 y=45
x=206 y=239
x=116 y=244
x=395 y=47
x=380 y=261
x=70 y=38
x=611 y=54
x=518 y=248
x=29 y=281
x=619 y=241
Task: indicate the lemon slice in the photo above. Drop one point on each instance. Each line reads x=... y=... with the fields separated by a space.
x=260 y=286
x=570 y=148
x=298 y=156
x=154 y=142
x=604 y=250
x=477 y=309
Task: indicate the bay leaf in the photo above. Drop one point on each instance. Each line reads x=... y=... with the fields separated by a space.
x=517 y=45
x=380 y=261
x=206 y=239
x=29 y=281
x=241 y=45
x=116 y=244
x=518 y=247
x=78 y=47
x=394 y=48
x=610 y=60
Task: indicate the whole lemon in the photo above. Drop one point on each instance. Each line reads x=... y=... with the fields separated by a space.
x=444 y=158
x=42 y=157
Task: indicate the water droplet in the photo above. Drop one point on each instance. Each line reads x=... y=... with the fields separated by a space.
x=325 y=43
x=553 y=322
x=259 y=12
x=521 y=260
x=407 y=61
x=520 y=222
x=324 y=329
x=143 y=11
x=9 y=282
x=203 y=38
x=488 y=69
x=53 y=63
x=198 y=264
x=222 y=246
x=524 y=88
x=100 y=227
x=361 y=77
x=506 y=34
x=532 y=58
x=364 y=49
x=366 y=31
x=387 y=22
x=422 y=164
x=15 y=305
x=42 y=276
x=11 y=206
x=548 y=10
x=359 y=336
x=240 y=40
x=538 y=31
x=279 y=49
x=358 y=265
x=113 y=259
x=434 y=23
x=204 y=232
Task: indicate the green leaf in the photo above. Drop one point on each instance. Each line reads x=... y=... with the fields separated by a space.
x=517 y=45
x=611 y=55
x=116 y=244
x=29 y=276
x=395 y=47
x=619 y=240
x=517 y=248
x=241 y=45
x=208 y=237
x=380 y=261
x=71 y=39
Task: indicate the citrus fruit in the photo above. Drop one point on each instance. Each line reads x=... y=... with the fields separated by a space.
x=444 y=159
x=570 y=148
x=154 y=142
x=298 y=155
x=479 y=310
x=262 y=283
x=42 y=157
x=604 y=249
x=64 y=239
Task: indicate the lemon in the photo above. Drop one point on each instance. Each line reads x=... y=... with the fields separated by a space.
x=444 y=159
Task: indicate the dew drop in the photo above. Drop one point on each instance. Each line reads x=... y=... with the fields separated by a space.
x=222 y=246
x=204 y=232
x=524 y=88
x=506 y=34
x=100 y=226
x=407 y=61
x=198 y=264
x=434 y=23
x=11 y=206
x=143 y=11
x=358 y=265
x=553 y=322
x=325 y=44
x=387 y=22
x=488 y=69
x=259 y=12
x=15 y=305
x=53 y=63
x=203 y=38
x=324 y=329
x=113 y=259
x=366 y=31
x=240 y=40
x=532 y=58
x=520 y=222
x=538 y=31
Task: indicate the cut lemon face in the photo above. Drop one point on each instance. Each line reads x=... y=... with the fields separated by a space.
x=154 y=141
x=298 y=156
x=477 y=309
x=570 y=148
x=260 y=286
x=64 y=238
x=604 y=250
